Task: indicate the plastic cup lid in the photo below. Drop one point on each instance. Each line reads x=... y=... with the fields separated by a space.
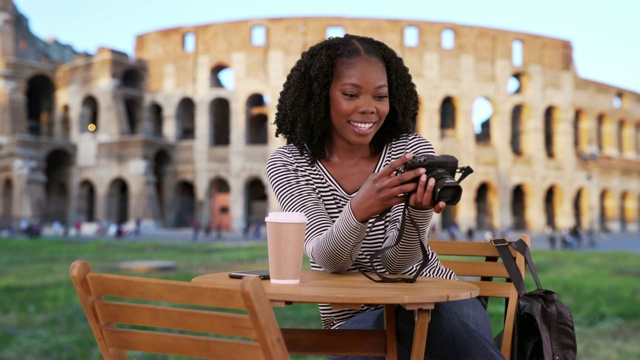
x=286 y=216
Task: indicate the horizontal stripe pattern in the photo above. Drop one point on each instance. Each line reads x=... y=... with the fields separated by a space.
x=335 y=241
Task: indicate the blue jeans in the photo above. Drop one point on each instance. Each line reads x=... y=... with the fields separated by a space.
x=457 y=330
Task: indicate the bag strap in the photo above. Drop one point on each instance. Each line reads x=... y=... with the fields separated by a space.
x=425 y=254
x=510 y=263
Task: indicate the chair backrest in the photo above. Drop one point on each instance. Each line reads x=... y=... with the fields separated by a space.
x=476 y=263
x=129 y=313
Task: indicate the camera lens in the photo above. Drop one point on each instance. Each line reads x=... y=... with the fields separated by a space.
x=446 y=188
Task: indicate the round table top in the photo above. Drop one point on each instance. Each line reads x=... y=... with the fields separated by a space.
x=320 y=287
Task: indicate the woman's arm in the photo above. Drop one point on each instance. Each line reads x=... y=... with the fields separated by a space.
x=407 y=253
x=333 y=246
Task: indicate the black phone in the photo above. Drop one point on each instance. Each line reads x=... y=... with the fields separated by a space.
x=262 y=274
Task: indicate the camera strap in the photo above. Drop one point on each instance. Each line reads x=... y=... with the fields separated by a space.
x=372 y=257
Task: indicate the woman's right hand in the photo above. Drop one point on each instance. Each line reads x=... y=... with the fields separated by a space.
x=384 y=189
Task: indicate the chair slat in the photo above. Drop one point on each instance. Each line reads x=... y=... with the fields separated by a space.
x=177 y=292
x=475 y=268
x=182 y=345
x=175 y=318
x=447 y=247
x=494 y=289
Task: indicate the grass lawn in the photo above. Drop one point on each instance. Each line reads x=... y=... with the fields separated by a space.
x=41 y=318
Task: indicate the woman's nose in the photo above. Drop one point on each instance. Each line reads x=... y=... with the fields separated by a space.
x=367 y=107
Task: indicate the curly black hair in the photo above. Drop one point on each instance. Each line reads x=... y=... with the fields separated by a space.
x=302 y=113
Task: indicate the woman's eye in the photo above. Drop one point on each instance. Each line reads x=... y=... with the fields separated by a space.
x=382 y=97
x=350 y=95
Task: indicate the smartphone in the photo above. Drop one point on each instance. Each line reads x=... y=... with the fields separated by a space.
x=262 y=274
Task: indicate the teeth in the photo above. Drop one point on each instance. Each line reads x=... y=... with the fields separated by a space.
x=363 y=126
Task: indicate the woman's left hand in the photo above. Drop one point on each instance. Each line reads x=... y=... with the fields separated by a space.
x=421 y=198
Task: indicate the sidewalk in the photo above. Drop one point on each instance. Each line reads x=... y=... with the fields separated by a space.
x=604 y=242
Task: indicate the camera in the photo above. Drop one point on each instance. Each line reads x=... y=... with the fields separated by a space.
x=442 y=168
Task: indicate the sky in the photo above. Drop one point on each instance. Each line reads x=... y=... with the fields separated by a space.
x=605 y=34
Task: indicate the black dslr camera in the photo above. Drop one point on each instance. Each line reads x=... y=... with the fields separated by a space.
x=442 y=168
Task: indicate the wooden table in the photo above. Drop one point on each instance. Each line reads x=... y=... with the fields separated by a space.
x=350 y=290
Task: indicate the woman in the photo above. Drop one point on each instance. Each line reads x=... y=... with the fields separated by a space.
x=348 y=110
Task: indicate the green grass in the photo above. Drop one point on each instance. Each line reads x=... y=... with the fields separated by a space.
x=41 y=318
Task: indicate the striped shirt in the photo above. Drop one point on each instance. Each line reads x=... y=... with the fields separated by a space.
x=335 y=241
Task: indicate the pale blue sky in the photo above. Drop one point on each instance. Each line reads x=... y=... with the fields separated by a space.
x=605 y=33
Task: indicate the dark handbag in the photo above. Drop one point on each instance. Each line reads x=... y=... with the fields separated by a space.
x=543 y=327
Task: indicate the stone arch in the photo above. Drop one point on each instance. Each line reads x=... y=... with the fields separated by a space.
x=219 y=122
x=256 y=118
x=87 y=201
x=518 y=207
x=155 y=119
x=448 y=117
x=218 y=77
x=517 y=83
x=605 y=134
x=58 y=171
x=607 y=211
x=117 y=201
x=133 y=79
x=552 y=206
x=486 y=202
x=618 y=101
x=220 y=195
x=160 y=169
x=133 y=111
x=551 y=127
x=185 y=203
x=519 y=117
x=186 y=119
x=581 y=137
x=625 y=138
x=581 y=209
x=65 y=122
x=482 y=112
x=7 y=203
x=40 y=100
x=89 y=114
x=255 y=204
x=628 y=212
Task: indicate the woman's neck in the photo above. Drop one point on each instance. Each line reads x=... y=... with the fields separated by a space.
x=340 y=152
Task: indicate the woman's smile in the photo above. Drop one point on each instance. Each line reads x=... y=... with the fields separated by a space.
x=363 y=127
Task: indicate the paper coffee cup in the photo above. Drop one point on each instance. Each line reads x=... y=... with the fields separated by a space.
x=285 y=244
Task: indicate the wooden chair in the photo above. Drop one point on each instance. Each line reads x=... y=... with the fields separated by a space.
x=478 y=263
x=122 y=318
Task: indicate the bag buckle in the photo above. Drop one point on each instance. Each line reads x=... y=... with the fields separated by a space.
x=499 y=242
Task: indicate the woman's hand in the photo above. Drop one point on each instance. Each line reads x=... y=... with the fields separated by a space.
x=422 y=197
x=385 y=189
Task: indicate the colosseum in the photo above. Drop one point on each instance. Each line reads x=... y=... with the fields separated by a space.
x=182 y=130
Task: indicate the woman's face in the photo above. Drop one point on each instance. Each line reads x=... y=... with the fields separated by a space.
x=358 y=100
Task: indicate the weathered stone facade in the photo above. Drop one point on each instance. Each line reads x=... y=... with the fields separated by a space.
x=165 y=138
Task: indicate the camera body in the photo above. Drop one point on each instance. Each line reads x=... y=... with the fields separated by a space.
x=442 y=168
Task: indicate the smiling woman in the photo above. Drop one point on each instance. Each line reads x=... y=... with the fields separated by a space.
x=348 y=111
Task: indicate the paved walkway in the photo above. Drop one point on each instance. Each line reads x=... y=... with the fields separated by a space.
x=604 y=242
